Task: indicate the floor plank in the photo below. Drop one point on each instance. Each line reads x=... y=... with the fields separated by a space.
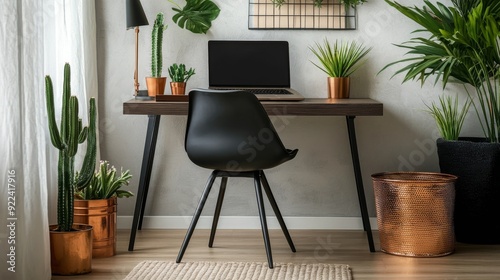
x=479 y=262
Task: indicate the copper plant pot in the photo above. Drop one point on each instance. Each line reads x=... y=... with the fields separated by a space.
x=338 y=87
x=71 y=252
x=101 y=215
x=156 y=86
x=178 y=88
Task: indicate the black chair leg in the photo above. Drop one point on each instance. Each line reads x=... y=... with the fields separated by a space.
x=262 y=214
x=196 y=216
x=276 y=210
x=218 y=207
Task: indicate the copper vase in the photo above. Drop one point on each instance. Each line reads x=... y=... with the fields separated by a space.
x=415 y=213
x=71 y=252
x=178 y=88
x=101 y=215
x=338 y=87
x=156 y=86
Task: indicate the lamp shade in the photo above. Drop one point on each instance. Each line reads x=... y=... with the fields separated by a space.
x=135 y=14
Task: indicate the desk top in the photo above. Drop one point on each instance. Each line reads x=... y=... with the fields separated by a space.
x=306 y=107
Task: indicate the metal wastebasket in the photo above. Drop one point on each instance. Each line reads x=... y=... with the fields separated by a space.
x=415 y=213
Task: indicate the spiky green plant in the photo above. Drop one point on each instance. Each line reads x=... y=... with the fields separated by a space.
x=66 y=139
x=178 y=73
x=448 y=116
x=157 y=46
x=106 y=183
x=462 y=45
x=342 y=59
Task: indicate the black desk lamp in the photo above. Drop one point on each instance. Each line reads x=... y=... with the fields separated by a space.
x=135 y=18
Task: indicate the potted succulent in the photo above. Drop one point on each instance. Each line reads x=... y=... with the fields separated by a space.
x=339 y=62
x=179 y=76
x=70 y=243
x=96 y=205
x=463 y=46
x=156 y=83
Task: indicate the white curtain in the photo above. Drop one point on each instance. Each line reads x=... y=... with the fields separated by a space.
x=37 y=37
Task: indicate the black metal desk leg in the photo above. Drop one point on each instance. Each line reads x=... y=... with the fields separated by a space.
x=359 y=181
x=147 y=164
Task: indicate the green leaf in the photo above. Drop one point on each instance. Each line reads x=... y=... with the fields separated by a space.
x=196 y=16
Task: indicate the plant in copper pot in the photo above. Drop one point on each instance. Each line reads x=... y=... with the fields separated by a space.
x=179 y=76
x=339 y=61
x=156 y=83
x=71 y=244
x=96 y=205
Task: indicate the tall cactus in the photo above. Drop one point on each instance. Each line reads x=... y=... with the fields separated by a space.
x=156 y=46
x=66 y=140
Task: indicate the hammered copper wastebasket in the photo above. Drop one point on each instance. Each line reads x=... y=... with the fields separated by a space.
x=415 y=213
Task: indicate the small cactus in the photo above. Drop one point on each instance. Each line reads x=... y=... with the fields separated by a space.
x=156 y=46
x=66 y=139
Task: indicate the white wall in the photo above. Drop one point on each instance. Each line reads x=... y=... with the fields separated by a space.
x=320 y=181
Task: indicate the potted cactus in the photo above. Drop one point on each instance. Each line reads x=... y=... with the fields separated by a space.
x=156 y=83
x=179 y=76
x=71 y=244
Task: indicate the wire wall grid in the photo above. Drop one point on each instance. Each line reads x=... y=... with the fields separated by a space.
x=301 y=14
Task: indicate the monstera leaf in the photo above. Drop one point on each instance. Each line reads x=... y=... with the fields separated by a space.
x=196 y=16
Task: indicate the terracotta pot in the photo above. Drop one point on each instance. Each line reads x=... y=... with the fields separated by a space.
x=178 y=88
x=156 y=86
x=101 y=215
x=71 y=252
x=338 y=87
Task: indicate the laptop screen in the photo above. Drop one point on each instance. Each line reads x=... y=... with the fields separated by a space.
x=248 y=64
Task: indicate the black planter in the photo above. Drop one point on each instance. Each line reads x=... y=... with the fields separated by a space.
x=476 y=163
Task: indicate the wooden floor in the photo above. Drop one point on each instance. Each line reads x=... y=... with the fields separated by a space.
x=474 y=262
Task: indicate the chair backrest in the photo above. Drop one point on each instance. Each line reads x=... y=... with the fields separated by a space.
x=231 y=131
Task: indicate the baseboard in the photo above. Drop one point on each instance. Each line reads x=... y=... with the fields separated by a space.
x=247 y=222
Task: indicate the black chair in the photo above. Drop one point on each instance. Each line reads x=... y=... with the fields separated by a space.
x=231 y=133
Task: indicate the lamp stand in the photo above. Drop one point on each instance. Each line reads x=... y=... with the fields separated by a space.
x=139 y=94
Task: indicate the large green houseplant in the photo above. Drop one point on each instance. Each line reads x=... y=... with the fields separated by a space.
x=97 y=205
x=339 y=61
x=71 y=244
x=460 y=43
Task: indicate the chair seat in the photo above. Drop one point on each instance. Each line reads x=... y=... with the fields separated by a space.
x=227 y=164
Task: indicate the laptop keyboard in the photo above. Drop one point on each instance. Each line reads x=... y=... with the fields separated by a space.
x=262 y=90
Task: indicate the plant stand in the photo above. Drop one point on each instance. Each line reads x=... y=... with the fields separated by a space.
x=415 y=213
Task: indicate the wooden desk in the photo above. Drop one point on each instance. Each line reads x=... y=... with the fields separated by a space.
x=350 y=108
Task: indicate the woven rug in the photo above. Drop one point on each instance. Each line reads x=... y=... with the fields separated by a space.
x=237 y=271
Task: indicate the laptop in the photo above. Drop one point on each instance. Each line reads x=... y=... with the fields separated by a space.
x=260 y=67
